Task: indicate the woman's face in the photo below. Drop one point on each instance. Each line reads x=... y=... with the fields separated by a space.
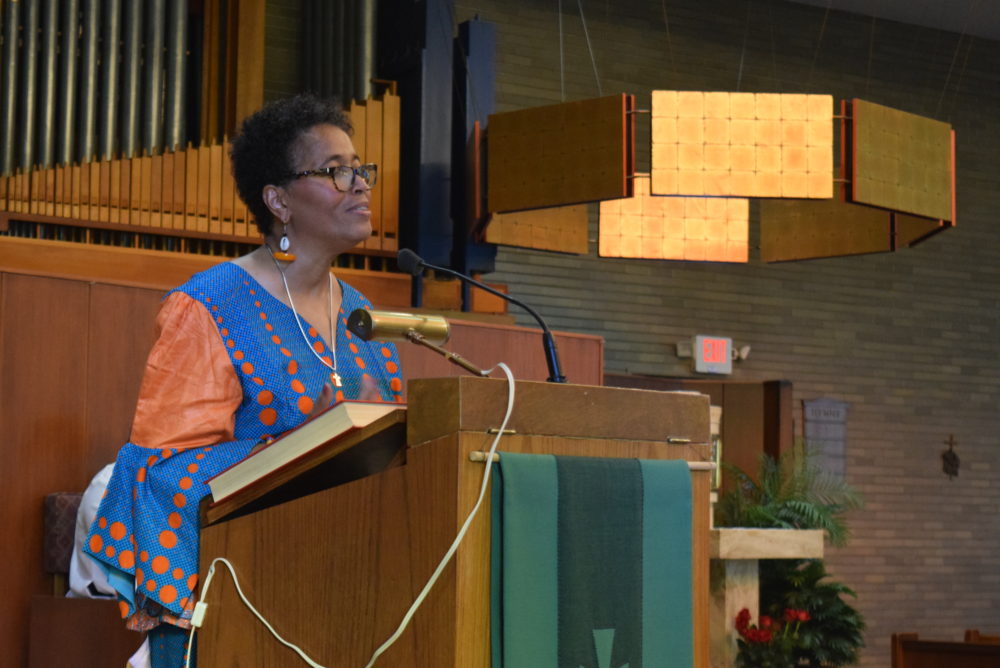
x=319 y=212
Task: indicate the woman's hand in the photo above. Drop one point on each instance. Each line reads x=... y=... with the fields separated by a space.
x=369 y=389
x=322 y=401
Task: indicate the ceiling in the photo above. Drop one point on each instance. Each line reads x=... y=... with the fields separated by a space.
x=975 y=17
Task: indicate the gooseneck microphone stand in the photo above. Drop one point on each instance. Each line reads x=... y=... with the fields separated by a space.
x=413 y=264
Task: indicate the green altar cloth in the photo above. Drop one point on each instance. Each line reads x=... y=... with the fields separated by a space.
x=591 y=563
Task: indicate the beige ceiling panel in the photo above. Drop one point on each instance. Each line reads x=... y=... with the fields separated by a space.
x=902 y=161
x=810 y=229
x=742 y=144
x=911 y=230
x=562 y=229
x=674 y=228
x=560 y=154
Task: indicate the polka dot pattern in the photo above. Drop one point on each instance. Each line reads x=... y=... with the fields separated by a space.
x=147 y=525
x=156 y=551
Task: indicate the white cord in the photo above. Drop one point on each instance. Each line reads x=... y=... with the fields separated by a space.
x=201 y=606
x=187 y=656
x=246 y=602
x=593 y=61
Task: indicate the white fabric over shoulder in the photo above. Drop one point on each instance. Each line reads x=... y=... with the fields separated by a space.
x=86 y=578
x=141 y=657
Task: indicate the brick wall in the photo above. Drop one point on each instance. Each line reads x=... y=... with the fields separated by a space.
x=908 y=339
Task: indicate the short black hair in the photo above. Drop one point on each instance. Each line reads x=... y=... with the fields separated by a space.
x=262 y=152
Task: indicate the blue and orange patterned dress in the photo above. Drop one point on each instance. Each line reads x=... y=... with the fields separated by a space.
x=230 y=367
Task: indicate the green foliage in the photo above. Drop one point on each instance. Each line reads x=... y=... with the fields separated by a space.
x=790 y=493
x=793 y=493
x=833 y=634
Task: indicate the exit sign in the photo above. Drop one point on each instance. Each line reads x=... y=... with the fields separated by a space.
x=712 y=354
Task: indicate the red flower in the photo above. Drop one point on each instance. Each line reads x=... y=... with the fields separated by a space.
x=771 y=642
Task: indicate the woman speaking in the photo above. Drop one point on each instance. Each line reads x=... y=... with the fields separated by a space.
x=245 y=351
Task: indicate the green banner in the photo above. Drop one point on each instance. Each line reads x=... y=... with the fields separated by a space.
x=591 y=563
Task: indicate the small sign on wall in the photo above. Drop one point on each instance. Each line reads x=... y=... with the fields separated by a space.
x=712 y=354
x=825 y=427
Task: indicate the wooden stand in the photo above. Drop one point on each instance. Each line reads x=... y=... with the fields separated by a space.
x=736 y=581
x=335 y=571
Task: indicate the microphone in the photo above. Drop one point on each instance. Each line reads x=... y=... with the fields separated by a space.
x=414 y=265
x=426 y=330
x=388 y=326
x=410 y=262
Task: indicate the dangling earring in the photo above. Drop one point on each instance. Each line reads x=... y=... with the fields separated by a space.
x=283 y=245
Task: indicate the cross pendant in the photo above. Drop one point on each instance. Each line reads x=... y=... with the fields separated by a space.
x=336 y=379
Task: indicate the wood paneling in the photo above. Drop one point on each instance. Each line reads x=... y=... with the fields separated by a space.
x=88 y=628
x=121 y=332
x=779 y=432
x=44 y=361
x=122 y=266
x=71 y=361
x=742 y=427
x=160 y=269
x=3 y=338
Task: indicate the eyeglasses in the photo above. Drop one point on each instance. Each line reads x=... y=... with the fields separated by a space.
x=343 y=176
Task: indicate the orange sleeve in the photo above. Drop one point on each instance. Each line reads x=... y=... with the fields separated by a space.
x=189 y=393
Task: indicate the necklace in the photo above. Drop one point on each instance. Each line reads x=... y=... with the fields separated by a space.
x=333 y=332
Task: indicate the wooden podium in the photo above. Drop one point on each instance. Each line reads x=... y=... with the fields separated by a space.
x=335 y=571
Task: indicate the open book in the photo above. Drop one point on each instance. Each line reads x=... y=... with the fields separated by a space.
x=299 y=444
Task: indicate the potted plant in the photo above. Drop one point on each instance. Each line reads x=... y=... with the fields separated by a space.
x=793 y=493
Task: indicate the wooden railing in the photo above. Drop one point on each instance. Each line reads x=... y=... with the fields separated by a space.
x=908 y=651
x=973 y=635
x=191 y=192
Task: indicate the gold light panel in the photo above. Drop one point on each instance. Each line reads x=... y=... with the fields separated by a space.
x=911 y=230
x=560 y=154
x=817 y=229
x=562 y=228
x=807 y=230
x=902 y=161
x=742 y=144
x=674 y=228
